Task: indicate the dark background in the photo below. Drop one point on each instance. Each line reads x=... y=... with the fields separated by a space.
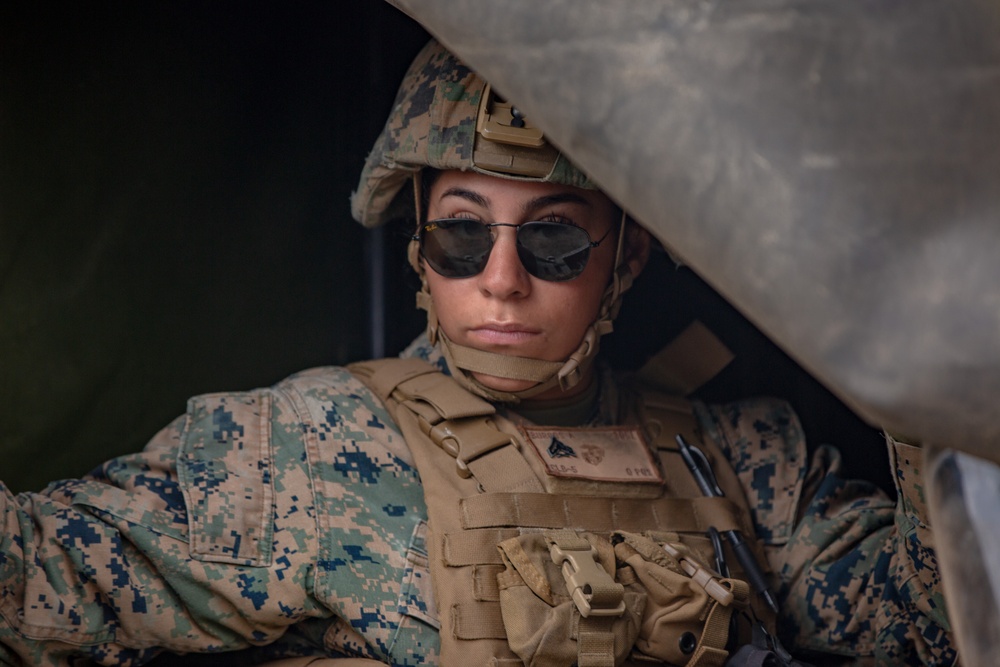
x=174 y=219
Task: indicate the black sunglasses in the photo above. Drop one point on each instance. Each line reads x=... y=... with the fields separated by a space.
x=460 y=247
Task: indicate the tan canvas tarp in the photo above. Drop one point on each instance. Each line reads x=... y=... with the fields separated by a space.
x=832 y=168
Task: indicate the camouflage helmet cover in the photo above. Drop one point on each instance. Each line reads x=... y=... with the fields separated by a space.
x=437 y=121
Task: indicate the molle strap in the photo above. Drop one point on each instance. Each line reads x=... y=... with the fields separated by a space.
x=711 y=650
x=480 y=450
x=478 y=549
x=485 y=587
x=414 y=379
x=453 y=418
x=382 y=376
x=475 y=547
x=596 y=642
x=504 y=468
x=543 y=510
x=478 y=621
x=458 y=422
x=446 y=396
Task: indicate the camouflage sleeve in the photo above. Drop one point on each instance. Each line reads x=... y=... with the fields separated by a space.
x=235 y=523
x=857 y=574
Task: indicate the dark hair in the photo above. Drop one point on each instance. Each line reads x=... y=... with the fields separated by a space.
x=428 y=176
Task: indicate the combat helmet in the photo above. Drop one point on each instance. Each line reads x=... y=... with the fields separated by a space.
x=447 y=117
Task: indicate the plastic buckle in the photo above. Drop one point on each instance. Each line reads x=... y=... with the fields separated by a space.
x=441 y=434
x=701 y=576
x=594 y=592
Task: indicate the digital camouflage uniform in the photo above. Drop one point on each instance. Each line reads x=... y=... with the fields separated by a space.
x=291 y=519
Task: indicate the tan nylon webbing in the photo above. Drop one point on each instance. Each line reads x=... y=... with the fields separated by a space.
x=478 y=621
x=475 y=547
x=540 y=510
x=473 y=437
x=448 y=397
x=596 y=643
x=484 y=582
x=505 y=469
x=455 y=417
x=711 y=650
x=502 y=365
x=384 y=375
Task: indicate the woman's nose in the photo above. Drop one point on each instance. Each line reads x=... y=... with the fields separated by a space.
x=504 y=275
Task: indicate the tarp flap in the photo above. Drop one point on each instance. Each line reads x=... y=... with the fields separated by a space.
x=831 y=167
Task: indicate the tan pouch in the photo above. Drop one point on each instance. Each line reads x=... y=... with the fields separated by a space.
x=688 y=607
x=560 y=603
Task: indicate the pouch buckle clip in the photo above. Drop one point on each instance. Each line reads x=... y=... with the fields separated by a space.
x=594 y=592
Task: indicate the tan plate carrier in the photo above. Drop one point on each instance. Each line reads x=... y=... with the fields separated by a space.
x=482 y=491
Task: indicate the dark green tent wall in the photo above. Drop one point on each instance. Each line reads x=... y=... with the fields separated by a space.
x=174 y=219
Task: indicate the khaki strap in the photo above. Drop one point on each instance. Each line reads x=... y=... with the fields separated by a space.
x=383 y=375
x=505 y=469
x=457 y=421
x=465 y=440
x=475 y=547
x=504 y=365
x=484 y=582
x=541 y=510
x=415 y=378
x=478 y=620
x=711 y=650
x=596 y=643
x=448 y=398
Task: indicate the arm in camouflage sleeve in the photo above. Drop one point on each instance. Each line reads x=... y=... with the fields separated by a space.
x=255 y=511
x=101 y=567
x=857 y=572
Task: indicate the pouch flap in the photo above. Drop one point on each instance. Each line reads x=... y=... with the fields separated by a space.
x=224 y=467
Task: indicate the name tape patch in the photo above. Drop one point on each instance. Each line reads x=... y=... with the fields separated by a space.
x=612 y=454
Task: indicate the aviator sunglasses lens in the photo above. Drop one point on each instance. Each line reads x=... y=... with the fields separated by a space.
x=456 y=248
x=553 y=250
x=459 y=248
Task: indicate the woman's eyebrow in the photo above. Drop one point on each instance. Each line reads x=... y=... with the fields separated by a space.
x=553 y=199
x=531 y=205
x=468 y=195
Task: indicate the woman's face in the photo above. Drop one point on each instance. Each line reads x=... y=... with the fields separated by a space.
x=504 y=309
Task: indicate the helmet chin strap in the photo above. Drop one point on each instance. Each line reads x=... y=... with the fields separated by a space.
x=464 y=361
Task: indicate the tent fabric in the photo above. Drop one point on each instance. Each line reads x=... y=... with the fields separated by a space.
x=831 y=168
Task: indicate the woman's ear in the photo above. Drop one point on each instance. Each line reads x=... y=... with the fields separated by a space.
x=637 y=245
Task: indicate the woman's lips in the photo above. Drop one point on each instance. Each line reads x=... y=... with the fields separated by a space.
x=503 y=334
